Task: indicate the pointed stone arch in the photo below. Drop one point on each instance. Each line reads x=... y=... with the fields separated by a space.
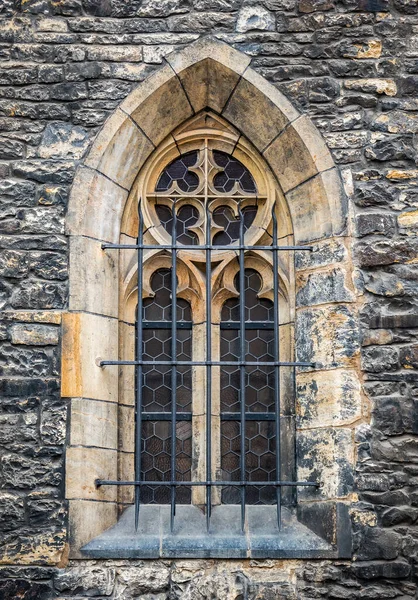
x=205 y=75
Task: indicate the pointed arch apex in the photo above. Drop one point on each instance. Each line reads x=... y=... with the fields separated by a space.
x=211 y=75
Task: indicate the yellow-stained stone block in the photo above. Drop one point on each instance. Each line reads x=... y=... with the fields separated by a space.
x=87 y=520
x=380 y=86
x=47 y=548
x=298 y=153
x=29 y=316
x=163 y=111
x=372 y=50
x=260 y=116
x=96 y=206
x=126 y=428
x=94 y=277
x=208 y=84
x=83 y=466
x=93 y=423
x=400 y=175
x=318 y=207
x=120 y=150
x=327 y=398
x=87 y=339
x=408 y=219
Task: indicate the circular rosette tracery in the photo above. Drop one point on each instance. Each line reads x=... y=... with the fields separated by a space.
x=202 y=181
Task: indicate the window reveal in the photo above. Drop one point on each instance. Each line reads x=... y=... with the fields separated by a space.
x=208 y=204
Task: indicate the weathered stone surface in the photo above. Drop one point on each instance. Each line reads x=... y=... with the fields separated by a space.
x=253 y=17
x=65 y=67
x=143 y=579
x=89 y=581
x=34 y=335
x=326 y=456
x=378 y=86
x=323 y=401
x=376 y=569
x=385 y=252
x=379 y=544
x=45 y=171
x=323 y=288
x=63 y=141
x=12 y=511
x=327 y=336
x=373 y=223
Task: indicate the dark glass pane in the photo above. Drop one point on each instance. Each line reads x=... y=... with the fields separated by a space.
x=256 y=309
x=234 y=171
x=224 y=217
x=178 y=170
x=156 y=461
x=260 y=461
x=159 y=307
x=187 y=216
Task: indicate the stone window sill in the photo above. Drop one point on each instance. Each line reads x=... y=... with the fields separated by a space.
x=261 y=538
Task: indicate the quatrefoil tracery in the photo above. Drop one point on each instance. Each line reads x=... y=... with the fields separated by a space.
x=200 y=180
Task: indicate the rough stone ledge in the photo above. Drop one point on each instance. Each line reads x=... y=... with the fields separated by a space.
x=260 y=539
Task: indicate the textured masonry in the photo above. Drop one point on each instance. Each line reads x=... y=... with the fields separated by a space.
x=347 y=69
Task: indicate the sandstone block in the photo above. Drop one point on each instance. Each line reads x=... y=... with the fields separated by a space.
x=93 y=282
x=83 y=467
x=88 y=338
x=120 y=150
x=161 y=94
x=326 y=399
x=303 y=141
x=255 y=95
x=327 y=456
x=93 y=423
x=323 y=288
x=328 y=336
x=208 y=83
x=87 y=520
x=324 y=214
x=94 y=197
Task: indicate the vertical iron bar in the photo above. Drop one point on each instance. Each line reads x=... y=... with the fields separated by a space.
x=138 y=420
x=174 y=366
x=292 y=475
x=208 y=357
x=242 y=358
x=276 y=358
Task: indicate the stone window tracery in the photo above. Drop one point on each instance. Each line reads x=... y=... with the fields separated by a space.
x=208 y=170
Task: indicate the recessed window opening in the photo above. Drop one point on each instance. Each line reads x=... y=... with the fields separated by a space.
x=214 y=365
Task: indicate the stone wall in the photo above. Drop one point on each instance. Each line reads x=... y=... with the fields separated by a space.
x=65 y=65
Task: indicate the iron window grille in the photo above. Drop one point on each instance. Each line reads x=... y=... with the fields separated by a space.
x=238 y=329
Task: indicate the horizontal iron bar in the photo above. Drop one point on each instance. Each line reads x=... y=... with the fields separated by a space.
x=213 y=363
x=200 y=247
x=100 y=482
x=223 y=325
x=249 y=416
x=166 y=325
x=166 y=416
x=226 y=416
x=248 y=325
